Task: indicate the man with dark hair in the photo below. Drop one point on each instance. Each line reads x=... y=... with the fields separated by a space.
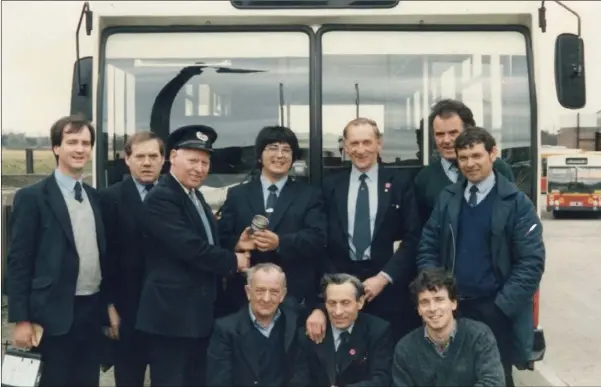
x=447 y=120
x=465 y=351
x=357 y=348
x=369 y=209
x=183 y=262
x=56 y=263
x=122 y=213
x=296 y=234
x=488 y=234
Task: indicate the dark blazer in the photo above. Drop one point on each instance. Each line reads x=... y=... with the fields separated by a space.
x=367 y=363
x=232 y=357
x=298 y=220
x=181 y=267
x=397 y=219
x=42 y=260
x=122 y=213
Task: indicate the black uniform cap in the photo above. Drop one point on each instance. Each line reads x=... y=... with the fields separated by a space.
x=199 y=137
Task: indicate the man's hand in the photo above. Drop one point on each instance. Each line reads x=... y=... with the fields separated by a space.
x=374 y=286
x=115 y=320
x=245 y=243
x=266 y=240
x=316 y=326
x=243 y=261
x=24 y=335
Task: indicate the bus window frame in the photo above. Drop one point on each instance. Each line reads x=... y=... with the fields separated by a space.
x=315 y=171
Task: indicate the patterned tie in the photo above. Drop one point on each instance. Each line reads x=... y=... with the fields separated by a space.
x=272 y=198
x=362 y=229
x=203 y=215
x=473 y=201
x=77 y=190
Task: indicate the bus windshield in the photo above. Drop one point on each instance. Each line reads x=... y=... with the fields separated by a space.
x=255 y=79
x=574 y=179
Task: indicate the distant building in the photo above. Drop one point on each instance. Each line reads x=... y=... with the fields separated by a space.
x=579 y=131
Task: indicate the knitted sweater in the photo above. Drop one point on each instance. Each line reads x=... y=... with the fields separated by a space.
x=471 y=359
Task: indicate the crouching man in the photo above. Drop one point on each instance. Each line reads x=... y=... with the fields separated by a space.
x=357 y=348
x=446 y=352
x=256 y=345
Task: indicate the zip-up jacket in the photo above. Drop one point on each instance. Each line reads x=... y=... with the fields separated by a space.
x=518 y=252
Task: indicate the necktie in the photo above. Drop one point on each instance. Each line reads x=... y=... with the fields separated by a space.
x=271 y=199
x=77 y=190
x=344 y=338
x=149 y=186
x=341 y=352
x=362 y=229
x=473 y=198
x=203 y=216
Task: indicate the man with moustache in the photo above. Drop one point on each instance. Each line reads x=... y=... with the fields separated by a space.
x=183 y=263
x=123 y=219
x=256 y=345
x=448 y=119
x=487 y=233
x=465 y=351
x=357 y=348
x=296 y=234
x=56 y=264
x=369 y=208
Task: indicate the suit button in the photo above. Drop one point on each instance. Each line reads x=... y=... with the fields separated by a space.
x=256 y=382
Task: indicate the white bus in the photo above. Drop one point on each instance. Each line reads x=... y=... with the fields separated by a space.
x=313 y=65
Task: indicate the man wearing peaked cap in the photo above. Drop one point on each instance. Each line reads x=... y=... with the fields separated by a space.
x=184 y=261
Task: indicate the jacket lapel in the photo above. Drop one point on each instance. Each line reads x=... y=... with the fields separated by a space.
x=59 y=207
x=454 y=206
x=247 y=345
x=186 y=201
x=255 y=196
x=384 y=186
x=284 y=200
x=341 y=195
x=326 y=353
x=100 y=239
x=355 y=347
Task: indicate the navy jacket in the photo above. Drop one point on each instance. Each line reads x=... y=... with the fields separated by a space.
x=518 y=252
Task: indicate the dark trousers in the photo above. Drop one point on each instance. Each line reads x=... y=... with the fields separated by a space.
x=393 y=304
x=131 y=356
x=485 y=311
x=177 y=361
x=73 y=359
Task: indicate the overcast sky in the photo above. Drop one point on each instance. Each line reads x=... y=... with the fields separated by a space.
x=38 y=50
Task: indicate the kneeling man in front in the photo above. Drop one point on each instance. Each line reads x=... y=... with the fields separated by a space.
x=447 y=351
x=357 y=348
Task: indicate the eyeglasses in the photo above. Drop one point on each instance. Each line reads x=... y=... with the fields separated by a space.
x=286 y=151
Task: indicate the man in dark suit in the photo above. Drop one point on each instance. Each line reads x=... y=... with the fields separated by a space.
x=56 y=263
x=296 y=236
x=182 y=263
x=357 y=349
x=122 y=213
x=256 y=345
x=369 y=208
x=448 y=119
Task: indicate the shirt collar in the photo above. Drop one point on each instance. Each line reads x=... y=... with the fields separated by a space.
x=451 y=336
x=372 y=173
x=253 y=318
x=446 y=164
x=186 y=190
x=337 y=331
x=142 y=187
x=65 y=181
x=279 y=183
x=485 y=185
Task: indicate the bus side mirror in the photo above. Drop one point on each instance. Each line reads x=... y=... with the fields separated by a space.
x=569 y=71
x=81 y=92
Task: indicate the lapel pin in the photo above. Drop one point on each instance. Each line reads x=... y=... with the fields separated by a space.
x=352 y=352
x=386 y=187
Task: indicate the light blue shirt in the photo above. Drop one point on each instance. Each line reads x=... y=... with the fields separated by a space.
x=265 y=331
x=450 y=169
x=336 y=334
x=142 y=188
x=484 y=188
x=266 y=184
x=66 y=184
x=353 y=191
